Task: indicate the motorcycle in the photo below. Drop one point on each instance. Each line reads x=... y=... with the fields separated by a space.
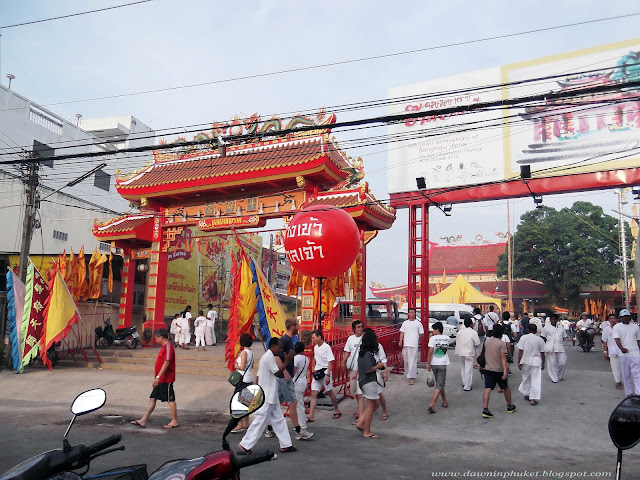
x=585 y=339
x=127 y=336
x=61 y=464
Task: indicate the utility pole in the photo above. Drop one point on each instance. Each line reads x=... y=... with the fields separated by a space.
x=509 y=261
x=623 y=247
x=31 y=191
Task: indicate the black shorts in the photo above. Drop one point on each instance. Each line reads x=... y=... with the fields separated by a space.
x=163 y=392
x=493 y=378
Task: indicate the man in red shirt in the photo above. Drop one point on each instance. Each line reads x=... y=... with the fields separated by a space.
x=165 y=375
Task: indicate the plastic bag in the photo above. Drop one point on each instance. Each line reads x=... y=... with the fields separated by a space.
x=431 y=379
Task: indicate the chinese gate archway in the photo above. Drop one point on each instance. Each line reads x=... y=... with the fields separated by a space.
x=238 y=186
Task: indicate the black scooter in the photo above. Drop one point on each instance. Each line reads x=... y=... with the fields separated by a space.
x=127 y=336
x=585 y=338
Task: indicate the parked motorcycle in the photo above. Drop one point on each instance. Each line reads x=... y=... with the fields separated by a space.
x=585 y=339
x=127 y=336
x=61 y=464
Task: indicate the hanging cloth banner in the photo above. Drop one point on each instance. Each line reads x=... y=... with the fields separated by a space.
x=270 y=313
x=16 y=292
x=36 y=294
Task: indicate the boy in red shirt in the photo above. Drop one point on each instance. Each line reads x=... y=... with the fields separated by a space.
x=165 y=375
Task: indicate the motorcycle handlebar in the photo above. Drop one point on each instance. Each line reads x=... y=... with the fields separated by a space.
x=101 y=445
x=253 y=459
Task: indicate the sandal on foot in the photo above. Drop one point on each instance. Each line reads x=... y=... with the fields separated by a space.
x=534 y=402
x=289 y=449
x=384 y=417
x=445 y=405
x=337 y=415
x=431 y=410
x=372 y=436
x=137 y=424
x=244 y=452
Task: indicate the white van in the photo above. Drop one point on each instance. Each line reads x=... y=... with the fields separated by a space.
x=442 y=311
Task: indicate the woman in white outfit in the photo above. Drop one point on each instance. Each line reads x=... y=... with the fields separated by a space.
x=200 y=325
x=186 y=328
x=244 y=365
x=209 y=333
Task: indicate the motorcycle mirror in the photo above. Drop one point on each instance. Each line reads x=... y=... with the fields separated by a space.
x=89 y=401
x=624 y=423
x=246 y=401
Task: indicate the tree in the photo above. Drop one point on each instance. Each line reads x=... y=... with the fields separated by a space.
x=566 y=250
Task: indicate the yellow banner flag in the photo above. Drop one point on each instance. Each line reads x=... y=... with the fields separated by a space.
x=271 y=310
x=59 y=314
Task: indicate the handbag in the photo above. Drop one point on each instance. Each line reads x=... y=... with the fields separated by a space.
x=236 y=377
x=352 y=361
x=481 y=360
x=318 y=374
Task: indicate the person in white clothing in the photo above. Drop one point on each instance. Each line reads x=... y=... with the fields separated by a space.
x=531 y=362
x=466 y=343
x=185 y=332
x=352 y=348
x=200 y=325
x=210 y=332
x=538 y=323
x=323 y=369
x=553 y=334
x=611 y=350
x=411 y=333
x=490 y=319
x=173 y=330
x=270 y=412
x=586 y=322
x=300 y=373
x=244 y=365
x=627 y=337
x=437 y=361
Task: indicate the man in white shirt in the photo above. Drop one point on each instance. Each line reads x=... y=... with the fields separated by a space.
x=212 y=316
x=270 y=412
x=490 y=319
x=553 y=334
x=627 y=337
x=411 y=333
x=531 y=362
x=437 y=361
x=538 y=323
x=352 y=348
x=587 y=323
x=611 y=350
x=466 y=343
x=323 y=361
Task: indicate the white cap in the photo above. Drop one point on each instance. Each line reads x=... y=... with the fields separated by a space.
x=624 y=313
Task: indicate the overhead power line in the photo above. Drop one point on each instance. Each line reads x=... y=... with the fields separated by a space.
x=73 y=15
x=380 y=120
x=345 y=62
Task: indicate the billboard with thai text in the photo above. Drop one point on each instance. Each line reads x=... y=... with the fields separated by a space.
x=560 y=115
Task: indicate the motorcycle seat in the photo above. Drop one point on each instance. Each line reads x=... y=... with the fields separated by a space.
x=122 y=329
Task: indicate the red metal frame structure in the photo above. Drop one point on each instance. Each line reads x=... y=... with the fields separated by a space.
x=418 y=285
x=418 y=202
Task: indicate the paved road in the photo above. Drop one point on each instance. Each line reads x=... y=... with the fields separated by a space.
x=565 y=434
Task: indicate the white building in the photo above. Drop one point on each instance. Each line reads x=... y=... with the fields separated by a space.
x=65 y=217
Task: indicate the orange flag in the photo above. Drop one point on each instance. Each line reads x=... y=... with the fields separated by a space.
x=62 y=263
x=110 y=272
x=60 y=313
x=70 y=275
x=81 y=275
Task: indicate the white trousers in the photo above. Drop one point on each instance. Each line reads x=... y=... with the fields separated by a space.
x=466 y=370
x=184 y=338
x=302 y=415
x=615 y=368
x=268 y=413
x=199 y=340
x=531 y=385
x=556 y=363
x=410 y=355
x=630 y=369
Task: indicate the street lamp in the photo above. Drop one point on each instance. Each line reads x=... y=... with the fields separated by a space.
x=10 y=76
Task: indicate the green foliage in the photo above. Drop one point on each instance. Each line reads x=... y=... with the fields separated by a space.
x=566 y=250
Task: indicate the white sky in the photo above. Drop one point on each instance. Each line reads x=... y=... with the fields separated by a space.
x=170 y=43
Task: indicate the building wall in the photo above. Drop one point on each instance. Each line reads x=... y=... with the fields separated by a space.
x=71 y=212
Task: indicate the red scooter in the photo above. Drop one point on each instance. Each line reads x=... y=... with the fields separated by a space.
x=61 y=464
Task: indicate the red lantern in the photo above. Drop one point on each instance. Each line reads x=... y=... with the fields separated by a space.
x=322 y=241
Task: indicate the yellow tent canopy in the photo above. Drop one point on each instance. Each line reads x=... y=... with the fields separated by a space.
x=461 y=291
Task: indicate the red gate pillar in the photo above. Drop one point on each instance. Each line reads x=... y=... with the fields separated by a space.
x=156 y=292
x=126 y=289
x=418 y=284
